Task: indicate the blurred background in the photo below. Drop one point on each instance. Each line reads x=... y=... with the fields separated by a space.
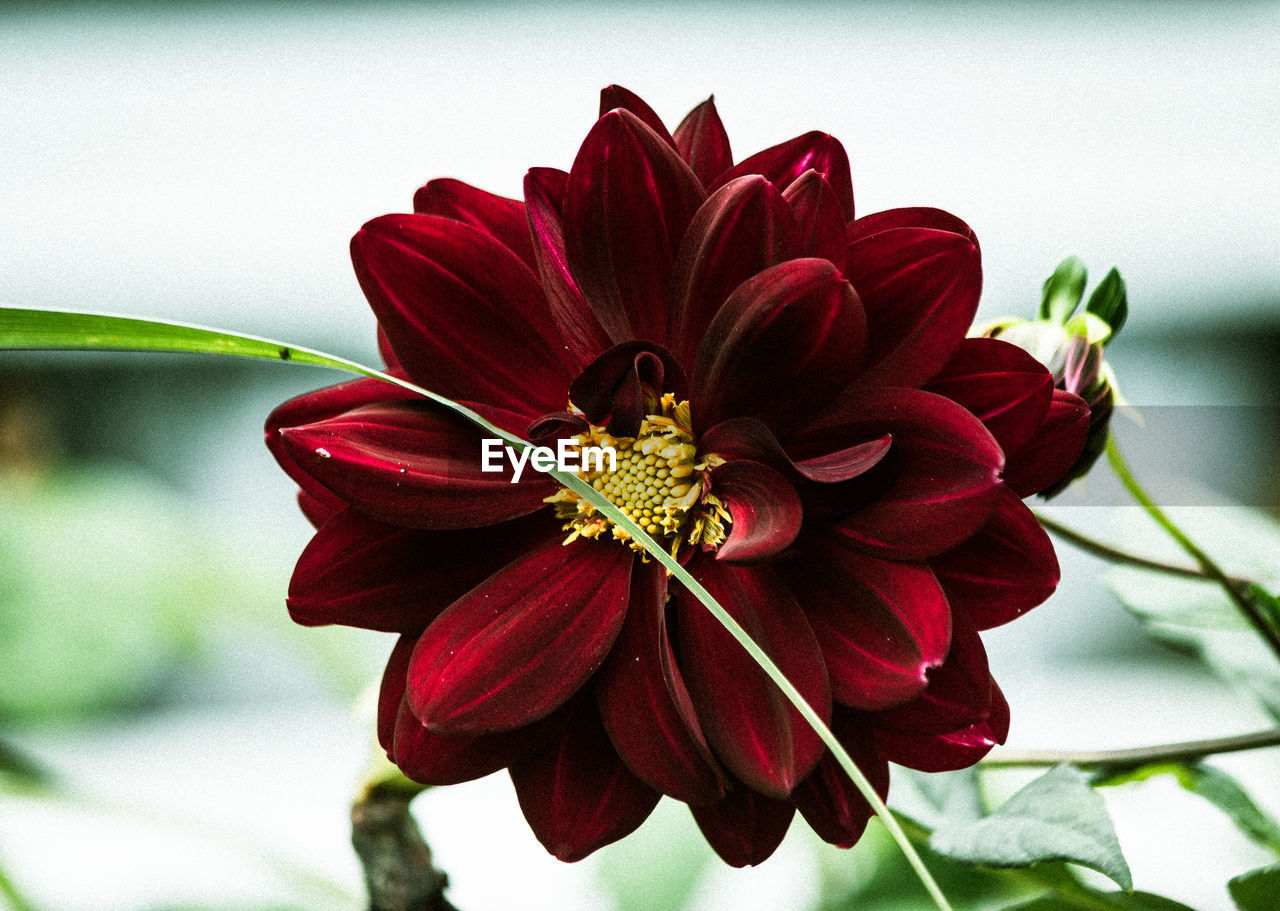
x=208 y=162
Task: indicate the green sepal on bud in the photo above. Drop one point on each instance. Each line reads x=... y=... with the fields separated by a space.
x=1063 y=290
x=1109 y=302
x=1103 y=316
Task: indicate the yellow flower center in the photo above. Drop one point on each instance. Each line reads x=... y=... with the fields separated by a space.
x=659 y=481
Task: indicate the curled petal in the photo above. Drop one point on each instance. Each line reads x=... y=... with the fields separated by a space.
x=360 y=572
x=618 y=386
x=828 y=799
x=819 y=216
x=937 y=486
x=576 y=793
x=501 y=218
x=785 y=341
x=1005 y=388
x=702 y=141
x=319 y=406
x=742 y=229
x=751 y=726
x=615 y=96
x=412 y=464
x=959 y=692
x=744 y=827
x=948 y=752
x=920 y=287
x=1047 y=457
x=645 y=705
x=464 y=315
x=544 y=203
x=882 y=625
x=519 y=644
x=749 y=438
x=628 y=202
x=786 y=162
x=552 y=427
x=1003 y=571
x=764 y=507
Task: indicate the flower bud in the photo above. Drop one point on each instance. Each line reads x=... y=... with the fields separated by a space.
x=1071 y=346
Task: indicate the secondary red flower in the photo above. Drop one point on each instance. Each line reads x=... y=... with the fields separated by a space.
x=798 y=416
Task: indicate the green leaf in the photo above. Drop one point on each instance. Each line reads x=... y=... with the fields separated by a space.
x=1122 y=901
x=1063 y=290
x=1214 y=785
x=1257 y=889
x=1268 y=604
x=1055 y=817
x=61 y=330
x=20 y=772
x=1110 y=302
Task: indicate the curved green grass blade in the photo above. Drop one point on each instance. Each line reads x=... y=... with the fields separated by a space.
x=64 y=330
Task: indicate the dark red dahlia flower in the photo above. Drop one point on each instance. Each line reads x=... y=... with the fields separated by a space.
x=798 y=416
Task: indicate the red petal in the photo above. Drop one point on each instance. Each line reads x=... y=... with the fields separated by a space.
x=412 y=464
x=742 y=229
x=501 y=218
x=317 y=510
x=920 y=286
x=745 y=827
x=764 y=507
x=820 y=217
x=628 y=202
x=384 y=351
x=937 y=486
x=749 y=438
x=318 y=406
x=1005 y=388
x=437 y=759
x=391 y=691
x=948 y=752
x=361 y=572
x=1051 y=453
x=828 y=799
x=784 y=343
x=615 y=96
x=519 y=644
x=1003 y=571
x=464 y=314
x=702 y=141
x=750 y=724
x=576 y=794
x=882 y=625
x=544 y=201
x=784 y=163
x=909 y=217
x=958 y=694
x=645 y=706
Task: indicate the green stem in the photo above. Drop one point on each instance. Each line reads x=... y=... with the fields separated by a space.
x=1188 y=751
x=1209 y=567
x=1116 y=555
x=43 y=330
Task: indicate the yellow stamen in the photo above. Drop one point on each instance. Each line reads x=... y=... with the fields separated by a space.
x=659 y=482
